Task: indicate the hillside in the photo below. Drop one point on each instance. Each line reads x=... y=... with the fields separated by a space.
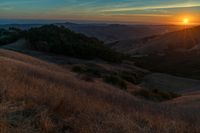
x=48 y=89
x=180 y=41
x=110 y=33
x=99 y=66
x=175 y=53
x=45 y=97
x=60 y=40
x=9 y=35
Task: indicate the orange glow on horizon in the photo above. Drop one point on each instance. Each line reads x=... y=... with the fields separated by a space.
x=186 y=21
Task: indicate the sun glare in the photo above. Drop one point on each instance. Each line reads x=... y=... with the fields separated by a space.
x=186 y=21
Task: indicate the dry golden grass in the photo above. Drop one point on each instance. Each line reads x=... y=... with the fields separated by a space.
x=37 y=96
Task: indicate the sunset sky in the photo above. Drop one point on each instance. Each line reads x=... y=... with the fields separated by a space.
x=128 y=11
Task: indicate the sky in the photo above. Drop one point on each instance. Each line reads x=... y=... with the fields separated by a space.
x=125 y=11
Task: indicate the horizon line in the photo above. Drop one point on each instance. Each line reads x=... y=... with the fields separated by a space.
x=53 y=21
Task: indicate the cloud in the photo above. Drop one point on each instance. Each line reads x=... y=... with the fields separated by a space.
x=187 y=5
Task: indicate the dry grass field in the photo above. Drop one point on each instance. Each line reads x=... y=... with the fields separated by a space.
x=42 y=97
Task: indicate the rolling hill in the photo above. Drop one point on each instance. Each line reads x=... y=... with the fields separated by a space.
x=38 y=96
x=108 y=33
x=120 y=33
x=47 y=91
x=60 y=40
x=179 y=41
x=175 y=53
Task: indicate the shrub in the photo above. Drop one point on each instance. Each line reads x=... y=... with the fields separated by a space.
x=79 y=69
x=116 y=81
x=10 y=36
x=91 y=70
x=132 y=77
x=156 y=95
x=88 y=78
x=129 y=77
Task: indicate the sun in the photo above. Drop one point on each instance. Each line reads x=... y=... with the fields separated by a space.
x=186 y=21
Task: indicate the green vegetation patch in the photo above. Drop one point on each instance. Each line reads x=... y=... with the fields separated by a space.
x=116 y=81
x=92 y=70
x=134 y=78
x=60 y=40
x=156 y=95
x=79 y=68
x=9 y=36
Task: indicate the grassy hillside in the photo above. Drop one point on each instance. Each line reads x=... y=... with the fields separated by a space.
x=42 y=97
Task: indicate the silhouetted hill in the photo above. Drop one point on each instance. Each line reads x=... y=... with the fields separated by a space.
x=118 y=32
x=185 y=40
x=20 y=26
x=9 y=35
x=37 y=96
x=60 y=40
x=175 y=53
x=109 y=33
